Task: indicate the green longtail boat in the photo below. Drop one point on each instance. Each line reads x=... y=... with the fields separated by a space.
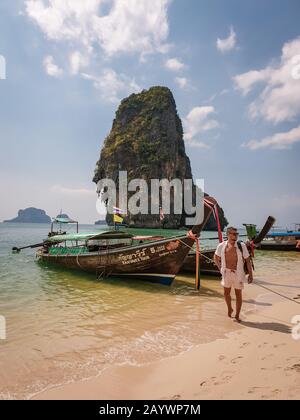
x=117 y=254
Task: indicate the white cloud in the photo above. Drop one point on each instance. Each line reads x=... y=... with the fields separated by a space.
x=245 y=82
x=112 y=85
x=78 y=61
x=198 y=144
x=182 y=82
x=72 y=191
x=216 y=95
x=279 y=100
x=139 y=26
x=51 y=68
x=227 y=44
x=174 y=64
x=276 y=141
x=197 y=122
x=96 y=30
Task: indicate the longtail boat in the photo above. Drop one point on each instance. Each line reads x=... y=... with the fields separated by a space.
x=282 y=241
x=117 y=254
x=207 y=265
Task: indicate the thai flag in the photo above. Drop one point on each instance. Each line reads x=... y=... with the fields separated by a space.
x=118 y=211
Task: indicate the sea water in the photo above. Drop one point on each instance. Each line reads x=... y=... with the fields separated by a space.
x=62 y=326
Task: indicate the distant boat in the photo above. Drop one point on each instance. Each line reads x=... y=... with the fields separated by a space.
x=288 y=240
x=61 y=220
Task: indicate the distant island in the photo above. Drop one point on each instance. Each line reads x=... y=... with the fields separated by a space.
x=30 y=215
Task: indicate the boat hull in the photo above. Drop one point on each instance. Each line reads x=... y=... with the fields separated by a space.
x=273 y=246
x=207 y=265
x=158 y=261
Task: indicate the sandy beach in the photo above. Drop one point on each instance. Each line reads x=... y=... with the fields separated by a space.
x=258 y=359
x=148 y=147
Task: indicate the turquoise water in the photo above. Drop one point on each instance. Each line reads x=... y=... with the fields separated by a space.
x=64 y=326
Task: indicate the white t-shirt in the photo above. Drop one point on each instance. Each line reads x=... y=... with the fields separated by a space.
x=220 y=252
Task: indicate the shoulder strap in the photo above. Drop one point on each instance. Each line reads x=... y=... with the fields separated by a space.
x=239 y=244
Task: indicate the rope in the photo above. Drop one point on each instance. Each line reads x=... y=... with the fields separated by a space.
x=197 y=279
x=207 y=258
x=276 y=293
x=256 y=284
x=191 y=235
x=192 y=248
x=78 y=263
x=180 y=240
x=216 y=214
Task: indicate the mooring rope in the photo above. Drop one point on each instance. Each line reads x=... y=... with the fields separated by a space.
x=193 y=249
x=256 y=284
x=276 y=293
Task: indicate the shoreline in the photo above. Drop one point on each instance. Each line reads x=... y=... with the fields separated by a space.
x=257 y=359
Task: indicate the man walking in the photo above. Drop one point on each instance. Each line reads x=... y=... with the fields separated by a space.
x=230 y=261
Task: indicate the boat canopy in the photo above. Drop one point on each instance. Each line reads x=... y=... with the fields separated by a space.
x=147 y=238
x=63 y=220
x=88 y=236
x=282 y=234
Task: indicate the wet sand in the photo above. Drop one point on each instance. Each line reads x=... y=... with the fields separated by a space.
x=257 y=359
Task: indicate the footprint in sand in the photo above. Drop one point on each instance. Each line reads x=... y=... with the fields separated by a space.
x=262 y=345
x=234 y=361
x=295 y=367
x=276 y=391
x=222 y=357
x=279 y=345
x=267 y=357
x=272 y=394
x=244 y=345
x=254 y=389
x=208 y=381
x=226 y=376
x=271 y=368
x=212 y=381
x=176 y=397
x=267 y=392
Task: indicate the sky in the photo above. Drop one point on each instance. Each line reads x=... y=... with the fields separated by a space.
x=233 y=68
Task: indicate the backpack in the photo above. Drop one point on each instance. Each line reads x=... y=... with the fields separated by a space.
x=239 y=244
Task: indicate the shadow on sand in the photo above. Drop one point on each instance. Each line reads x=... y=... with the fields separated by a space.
x=268 y=326
x=253 y=302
